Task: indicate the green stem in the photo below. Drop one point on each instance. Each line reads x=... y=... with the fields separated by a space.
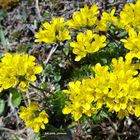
x=41 y=89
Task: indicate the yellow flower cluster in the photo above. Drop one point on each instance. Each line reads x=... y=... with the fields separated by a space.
x=53 y=32
x=132 y=44
x=117 y=89
x=87 y=42
x=129 y=19
x=17 y=70
x=86 y=17
x=130 y=16
x=33 y=118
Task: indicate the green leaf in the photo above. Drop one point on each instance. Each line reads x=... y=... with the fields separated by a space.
x=95 y=119
x=66 y=50
x=2 y=106
x=23 y=16
x=3 y=14
x=3 y=39
x=122 y=34
x=16 y=97
x=45 y=15
x=57 y=78
x=103 y=61
x=37 y=136
x=58 y=100
x=103 y=114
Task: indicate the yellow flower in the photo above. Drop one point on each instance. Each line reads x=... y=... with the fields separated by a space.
x=80 y=100
x=102 y=79
x=137 y=110
x=106 y=20
x=18 y=69
x=85 y=17
x=23 y=85
x=130 y=16
x=132 y=44
x=87 y=43
x=53 y=32
x=33 y=118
